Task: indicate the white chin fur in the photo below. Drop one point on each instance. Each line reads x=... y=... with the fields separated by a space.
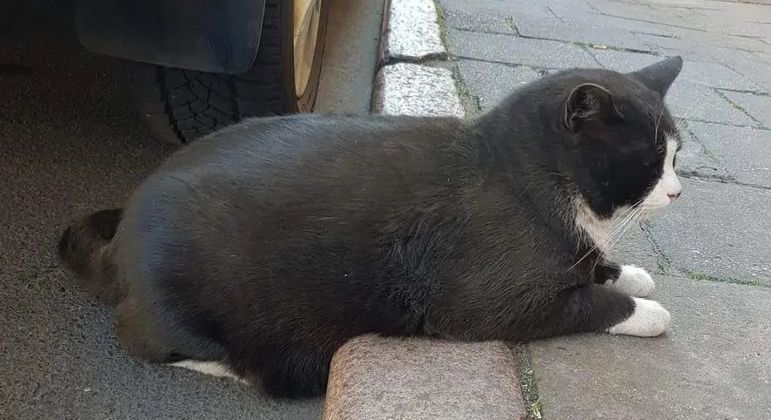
x=633 y=281
x=595 y=228
x=212 y=368
x=649 y=319
x=668 y=184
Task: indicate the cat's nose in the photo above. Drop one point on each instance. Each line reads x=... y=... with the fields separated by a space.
x=675 y=189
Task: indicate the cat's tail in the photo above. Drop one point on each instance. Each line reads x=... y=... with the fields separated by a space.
x=86 y=248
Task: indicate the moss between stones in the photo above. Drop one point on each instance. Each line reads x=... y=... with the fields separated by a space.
x=527 y=381
x=698 y=275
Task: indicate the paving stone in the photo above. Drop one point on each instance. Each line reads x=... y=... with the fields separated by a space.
x=633 y=25
x=479 y=21
x=694 y=159
x=750 y=66
x=414 y=89
x=517 y=50
x=741 y=42
x=588 y=14
x=752 y=29
x=758 y=106
x=714 y=362
x=714 y=38
x=727 y=21
x=640 y=12
x=677 y=46
x=505 y=8
x=708 y=55
x=623 y=61
x=491 y=82
x=634 y=248
x=718 y=230
x=699 y=102
x=715 y=75
x=390 y=378
x=553 y=28
x=695 y=72
x=564 y=9
x=744 y=152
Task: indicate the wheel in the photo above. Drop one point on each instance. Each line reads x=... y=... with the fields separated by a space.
x=180 y=105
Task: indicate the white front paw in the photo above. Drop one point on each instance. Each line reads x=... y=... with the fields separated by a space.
x=633 y=281
x=649 y=319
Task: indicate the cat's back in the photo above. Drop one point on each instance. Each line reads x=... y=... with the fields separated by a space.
x=291 y=178
x=264 y=143
x=298 y=157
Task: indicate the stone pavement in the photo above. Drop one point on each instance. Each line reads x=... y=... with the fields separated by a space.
x=710 y=252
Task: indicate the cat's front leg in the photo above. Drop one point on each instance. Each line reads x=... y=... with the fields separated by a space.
x=598 y=308
x=628 y=279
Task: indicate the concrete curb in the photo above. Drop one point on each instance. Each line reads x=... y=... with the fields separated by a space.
x=411 y=32
x=374 y=377
x=389 y=378
x=418 y=90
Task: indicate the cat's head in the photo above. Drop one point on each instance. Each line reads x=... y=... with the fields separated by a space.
x=621 y=139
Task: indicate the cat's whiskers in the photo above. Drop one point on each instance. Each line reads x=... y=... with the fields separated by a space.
x=630 y=220
x=681 y=125
x=620 y=227
x=637 y=215
x=616 y=233
x=613 y=234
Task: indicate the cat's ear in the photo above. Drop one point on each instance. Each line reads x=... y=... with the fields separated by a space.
x=658 y=77
x=588 y=101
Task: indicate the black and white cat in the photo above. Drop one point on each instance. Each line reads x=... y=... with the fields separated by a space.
x=258 y=251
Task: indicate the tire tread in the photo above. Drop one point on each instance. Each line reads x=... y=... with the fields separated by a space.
x=180 y=105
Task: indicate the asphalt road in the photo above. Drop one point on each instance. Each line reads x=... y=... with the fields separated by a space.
x=70 y=143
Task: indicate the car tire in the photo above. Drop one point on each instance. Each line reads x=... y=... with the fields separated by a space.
x=180 y=105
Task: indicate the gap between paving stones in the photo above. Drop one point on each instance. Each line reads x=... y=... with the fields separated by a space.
x=729 y=124
x=528 y=382
x=663 y=262
x=723 y=180
x=698 y=275
x=577 y=43
x=738 y=107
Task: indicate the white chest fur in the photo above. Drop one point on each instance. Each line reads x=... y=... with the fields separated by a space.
x=598 y=230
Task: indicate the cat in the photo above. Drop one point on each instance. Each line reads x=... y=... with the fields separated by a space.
x=258 y=251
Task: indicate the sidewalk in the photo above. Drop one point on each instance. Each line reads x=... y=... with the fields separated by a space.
x=711 y=252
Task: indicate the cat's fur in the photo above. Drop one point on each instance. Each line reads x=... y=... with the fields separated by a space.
x=268 y=244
